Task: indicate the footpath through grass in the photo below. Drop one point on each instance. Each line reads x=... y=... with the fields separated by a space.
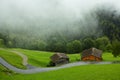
x=11 y=58
x=42 y=58
x=36 y=58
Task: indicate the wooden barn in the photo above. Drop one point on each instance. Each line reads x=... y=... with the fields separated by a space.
x=91 y=54
x=58 y=59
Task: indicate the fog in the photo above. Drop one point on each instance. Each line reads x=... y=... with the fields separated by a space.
x=44 y=17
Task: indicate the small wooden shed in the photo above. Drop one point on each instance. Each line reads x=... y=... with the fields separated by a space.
x=59 y=58
x=91 y=54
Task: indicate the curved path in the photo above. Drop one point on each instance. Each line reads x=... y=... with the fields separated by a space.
x=24 y=57
x=36 y=70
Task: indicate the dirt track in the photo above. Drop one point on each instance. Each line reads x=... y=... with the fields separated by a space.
x=24 y=57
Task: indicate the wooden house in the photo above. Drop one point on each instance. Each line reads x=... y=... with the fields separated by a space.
x=91 y=54
x=58 y=59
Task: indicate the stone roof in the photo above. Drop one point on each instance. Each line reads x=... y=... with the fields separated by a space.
x=58 y=56
x=92 y=51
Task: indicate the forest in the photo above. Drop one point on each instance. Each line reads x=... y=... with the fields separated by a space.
x=105 y=35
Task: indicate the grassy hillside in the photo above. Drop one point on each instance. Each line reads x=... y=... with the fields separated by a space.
x=11 y=58
x=109 y=57
x=86 y=72
x=37 y=58
x=42 y=58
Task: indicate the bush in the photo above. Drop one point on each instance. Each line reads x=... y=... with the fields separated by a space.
x=116 y=48
x=74 y=47
x=2 y=43
x=109 y=48
x=103 y=43
x=88 y=43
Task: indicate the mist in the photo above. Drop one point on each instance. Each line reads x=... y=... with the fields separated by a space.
x=41 y=18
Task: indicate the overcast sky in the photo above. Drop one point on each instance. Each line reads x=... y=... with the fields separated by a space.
x=47 y=8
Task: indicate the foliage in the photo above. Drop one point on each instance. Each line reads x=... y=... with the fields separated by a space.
x=2 y=43
x=88 y=43
x=74 y=47
x=103 y=43
x=108 y=29
x=109 y=47
x=116 y=48
x=109 y=22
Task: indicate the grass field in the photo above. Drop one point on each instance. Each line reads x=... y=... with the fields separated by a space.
x=40 y=58
x=12 y=58
x=86 y=72
x=36 y=58
x=109 y=57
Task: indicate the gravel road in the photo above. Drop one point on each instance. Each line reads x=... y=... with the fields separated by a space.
x=36 y=70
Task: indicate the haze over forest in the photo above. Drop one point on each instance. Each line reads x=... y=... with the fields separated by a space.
x=25 y=23
x=40 y=17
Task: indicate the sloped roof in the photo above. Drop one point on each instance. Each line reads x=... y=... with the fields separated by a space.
x=92 y=51
x=57 y=56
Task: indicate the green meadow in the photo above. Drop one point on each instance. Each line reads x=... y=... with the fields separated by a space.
x=11 y=58
x=86 y=72
x=41 y=59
